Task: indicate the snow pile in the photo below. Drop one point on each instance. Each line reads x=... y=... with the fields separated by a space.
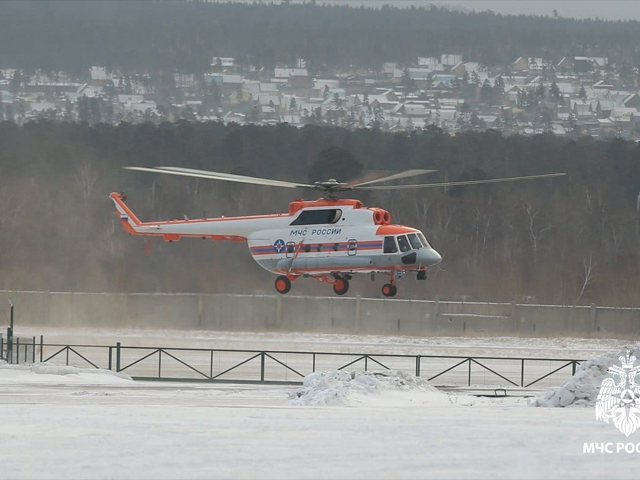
x=381 y=388
x=49 y=373
x=582 y=389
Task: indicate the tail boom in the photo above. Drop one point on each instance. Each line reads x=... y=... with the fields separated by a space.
x=223 y=228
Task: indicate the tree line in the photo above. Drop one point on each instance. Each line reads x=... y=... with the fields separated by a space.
x=571 y=239
x=161 y=37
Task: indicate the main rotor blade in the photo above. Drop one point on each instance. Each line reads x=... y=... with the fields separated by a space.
x=467 y=182
x=228 y=177
x=395 y=176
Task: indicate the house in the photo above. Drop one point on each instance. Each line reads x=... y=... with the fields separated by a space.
x=458 y=69
x=235 y=117
x=431 y=63
x=631 y=101
x=603 y=108
x=388 y=68
x=623 y=114
x=410 y=110
x=184 y=80
x=290 y=72
x=140 y=107
x=320 y=86
x=587 y=64
x=224 y=63
x=450 y=60
x=42 y=106
x=99 y=76
x=268 y=99
x=231 y=83
x=565 y=64
x=581 y=109
x=520 y=65
x=85 y=90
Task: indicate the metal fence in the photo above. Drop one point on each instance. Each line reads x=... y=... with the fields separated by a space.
x=20 y=350
x=290 y=367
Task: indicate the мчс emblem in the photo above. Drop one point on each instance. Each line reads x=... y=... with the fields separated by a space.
x=279 y=245
x=620 y=401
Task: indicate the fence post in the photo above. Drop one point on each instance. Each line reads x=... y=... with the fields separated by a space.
x=17 y=351
x=1 y=347
x=469 y=382
x=417 y=365
x=33 y=350
x=160 y=363
x=262 y=367
x=279 y=312
x=41 y=347
x=118 y=357
x=522 y=373
x=110 y=356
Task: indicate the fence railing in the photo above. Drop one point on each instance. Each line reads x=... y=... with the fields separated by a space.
x=290 y=367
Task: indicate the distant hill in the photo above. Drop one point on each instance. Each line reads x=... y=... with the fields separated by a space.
x=168 y=36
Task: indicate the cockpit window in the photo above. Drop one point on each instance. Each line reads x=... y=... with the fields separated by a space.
x=403 y=243
x=318 y=217
x=424 y=240
x=414 y=241
x=390 y=245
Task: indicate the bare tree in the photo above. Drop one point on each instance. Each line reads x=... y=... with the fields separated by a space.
x=535 y=234
x=587 y=275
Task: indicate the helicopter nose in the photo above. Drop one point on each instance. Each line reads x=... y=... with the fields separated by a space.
x=428 y=257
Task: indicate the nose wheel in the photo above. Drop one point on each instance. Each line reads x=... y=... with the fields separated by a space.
x=389 y=290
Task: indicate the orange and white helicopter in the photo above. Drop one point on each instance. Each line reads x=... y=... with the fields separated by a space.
x=328 y=239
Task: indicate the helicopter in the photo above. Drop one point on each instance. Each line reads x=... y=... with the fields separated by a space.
x=329 y=239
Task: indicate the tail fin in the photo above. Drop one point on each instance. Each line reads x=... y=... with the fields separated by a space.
x=129 y=221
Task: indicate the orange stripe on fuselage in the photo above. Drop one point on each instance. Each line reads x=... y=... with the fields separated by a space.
x=395 y=230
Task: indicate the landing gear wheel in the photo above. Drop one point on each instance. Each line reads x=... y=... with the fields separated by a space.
x=389 y=290
x=283 y=284
x=341 y=286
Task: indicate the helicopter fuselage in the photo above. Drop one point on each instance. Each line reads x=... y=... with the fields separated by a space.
x=329 y=240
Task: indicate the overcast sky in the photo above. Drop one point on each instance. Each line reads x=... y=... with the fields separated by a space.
x=603 y=9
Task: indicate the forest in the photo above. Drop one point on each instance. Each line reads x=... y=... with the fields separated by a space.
x=567 y=240
x=155 y=37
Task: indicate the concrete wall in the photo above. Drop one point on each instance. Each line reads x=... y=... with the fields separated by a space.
x=271 y=313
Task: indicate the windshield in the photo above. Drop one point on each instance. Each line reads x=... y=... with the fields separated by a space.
x=403 y=243
x=424 y=240
x=414 y=241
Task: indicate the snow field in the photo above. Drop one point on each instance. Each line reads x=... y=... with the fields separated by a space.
x=75 y=423
x=582 y=389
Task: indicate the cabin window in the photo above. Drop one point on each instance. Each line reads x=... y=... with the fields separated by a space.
x=403 y=243
x=390 y=245
x=290 y=247
x=336 y=247
x=307 y=248
x=319 y=247
x=318 y=217
x=414 y=241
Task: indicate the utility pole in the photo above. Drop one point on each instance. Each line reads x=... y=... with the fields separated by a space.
x=10 y=335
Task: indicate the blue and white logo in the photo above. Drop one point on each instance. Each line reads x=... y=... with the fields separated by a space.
x=279 y=246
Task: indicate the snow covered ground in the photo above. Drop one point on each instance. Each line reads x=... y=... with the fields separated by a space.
x=65 y=422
